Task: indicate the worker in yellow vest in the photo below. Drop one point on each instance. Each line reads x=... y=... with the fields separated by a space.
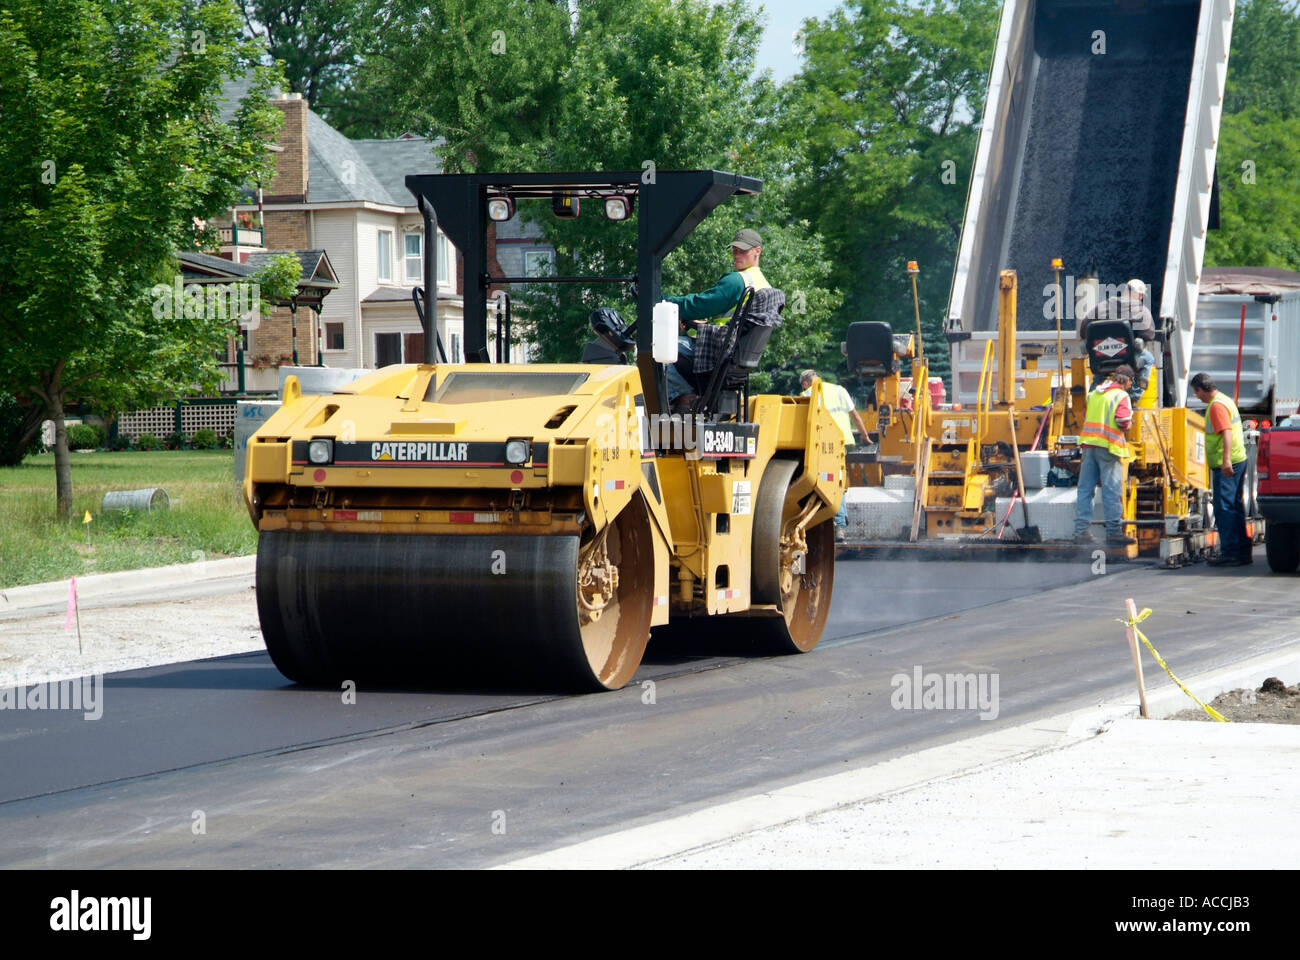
x=839 y=403
x=1225 y=455
x=1103 y=443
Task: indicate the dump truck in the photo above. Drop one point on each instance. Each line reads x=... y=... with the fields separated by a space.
x=527 y=525
x=1097 y=147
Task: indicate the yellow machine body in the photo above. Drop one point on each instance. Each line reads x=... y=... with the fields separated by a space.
x=537 y=500
x=963 y=458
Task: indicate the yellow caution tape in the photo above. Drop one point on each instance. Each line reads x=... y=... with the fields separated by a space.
x=1133 y=622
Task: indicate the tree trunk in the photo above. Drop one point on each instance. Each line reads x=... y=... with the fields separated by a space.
x=15 y=446
x=62 y=462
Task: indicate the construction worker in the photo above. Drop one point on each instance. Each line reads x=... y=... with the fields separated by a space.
x=1127 y=305
x=1146 y=362
x=714 y=304
x=839 y=402
x=1104 y=446
x=1225 y=455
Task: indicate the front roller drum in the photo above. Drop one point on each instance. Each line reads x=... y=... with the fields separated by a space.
x=436 y=610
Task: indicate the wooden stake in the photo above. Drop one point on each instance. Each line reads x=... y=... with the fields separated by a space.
x=1137 y=658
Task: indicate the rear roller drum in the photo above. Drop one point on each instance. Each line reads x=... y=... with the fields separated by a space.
x=542 y=612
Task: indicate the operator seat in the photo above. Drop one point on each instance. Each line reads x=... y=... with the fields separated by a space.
x=1110 y=344
x=871 y=350
x=613 y=337
x=726 y=355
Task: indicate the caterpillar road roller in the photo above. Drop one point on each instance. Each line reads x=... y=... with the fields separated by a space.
x=525 y=525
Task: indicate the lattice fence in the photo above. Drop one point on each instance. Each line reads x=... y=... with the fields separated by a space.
x=161 y=421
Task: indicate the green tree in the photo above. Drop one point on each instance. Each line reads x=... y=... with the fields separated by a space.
x=1259 y=141
x=1264 y=66
x=885 y=112
x=115 y=149
x=319 y=43
x=669 y=83
x=482 y=74
x=1259 y=192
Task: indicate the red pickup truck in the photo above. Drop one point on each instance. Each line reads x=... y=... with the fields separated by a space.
x=1279 y=494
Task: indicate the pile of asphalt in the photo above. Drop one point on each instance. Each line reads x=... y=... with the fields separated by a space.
x=1101 y=154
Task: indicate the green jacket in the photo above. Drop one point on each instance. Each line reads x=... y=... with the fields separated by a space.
x=719 y=300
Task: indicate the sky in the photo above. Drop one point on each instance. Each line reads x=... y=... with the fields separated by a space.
x=776 y=53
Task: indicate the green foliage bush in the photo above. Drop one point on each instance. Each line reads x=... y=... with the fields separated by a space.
x=204 y=439
x=85 y=436
x=173 y=441
x=148 y=441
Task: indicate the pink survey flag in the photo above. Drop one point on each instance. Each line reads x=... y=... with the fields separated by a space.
x=72 y=603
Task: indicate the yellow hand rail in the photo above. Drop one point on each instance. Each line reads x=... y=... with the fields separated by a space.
x=985 y=393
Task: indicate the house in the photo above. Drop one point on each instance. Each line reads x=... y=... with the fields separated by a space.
x=348 y=198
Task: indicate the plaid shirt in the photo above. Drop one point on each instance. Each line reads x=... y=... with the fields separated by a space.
x=762 y=308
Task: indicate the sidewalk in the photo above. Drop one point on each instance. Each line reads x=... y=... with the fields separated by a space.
x=1092 y=789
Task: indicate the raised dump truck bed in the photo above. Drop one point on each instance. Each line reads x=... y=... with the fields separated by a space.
x=1097 y=146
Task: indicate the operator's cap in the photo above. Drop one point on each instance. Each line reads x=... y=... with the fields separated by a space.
x=747 y=239
x=1136 y=287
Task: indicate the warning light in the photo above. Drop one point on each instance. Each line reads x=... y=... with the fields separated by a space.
x=912 y=267
x=1057 y=263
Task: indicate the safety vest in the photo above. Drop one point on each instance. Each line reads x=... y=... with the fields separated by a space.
x=1101 y=427
x=753 y=277
x=839 y=404
x=1214 y=441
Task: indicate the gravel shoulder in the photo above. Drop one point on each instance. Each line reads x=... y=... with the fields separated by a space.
x=41 y=648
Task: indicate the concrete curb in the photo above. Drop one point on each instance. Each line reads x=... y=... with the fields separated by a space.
x=659 y=841
x=124 y=585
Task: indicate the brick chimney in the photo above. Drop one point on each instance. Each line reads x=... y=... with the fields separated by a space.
x=290 y=182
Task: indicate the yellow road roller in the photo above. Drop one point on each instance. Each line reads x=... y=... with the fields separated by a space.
x=525 y=526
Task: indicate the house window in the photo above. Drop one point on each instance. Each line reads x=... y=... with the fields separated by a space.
x=385 y=255
x=444 y=258
x=388 y=349
x=334 y=336
x=538 y=263
x=414 y=257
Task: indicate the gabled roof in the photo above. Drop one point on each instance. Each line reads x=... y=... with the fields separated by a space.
x=359 y=171
x=318 y=276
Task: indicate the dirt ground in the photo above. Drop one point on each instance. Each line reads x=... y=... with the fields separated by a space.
x=1273 y=702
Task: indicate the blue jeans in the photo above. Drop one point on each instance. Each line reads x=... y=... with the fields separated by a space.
x=1100 y=466
x=1230 y=511
x=677 y=384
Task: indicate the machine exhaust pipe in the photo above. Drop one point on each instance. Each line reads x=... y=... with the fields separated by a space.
x=429 y=317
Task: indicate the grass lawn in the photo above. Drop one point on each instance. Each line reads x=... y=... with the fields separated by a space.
x=207 y=519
